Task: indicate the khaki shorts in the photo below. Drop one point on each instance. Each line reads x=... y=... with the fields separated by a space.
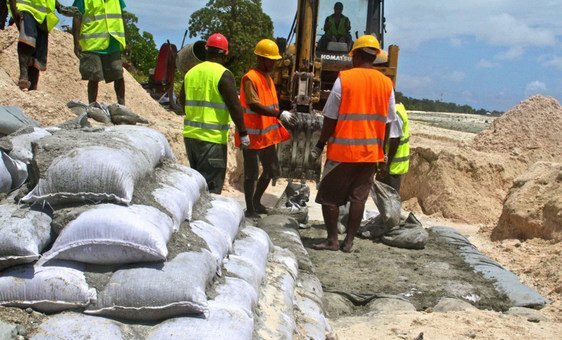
x=98 y=67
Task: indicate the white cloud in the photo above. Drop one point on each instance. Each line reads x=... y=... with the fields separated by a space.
x=535 y=87
x=552 y=61
x=484 y=63
x=414 y=84
x=456 y=76
x=506 y=30
x=456 y=42
x=512 y=53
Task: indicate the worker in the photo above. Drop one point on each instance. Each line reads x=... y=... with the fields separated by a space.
x=357 y=114
x=336 y=27
x=3 y=13
x=263 y=121
x=397 y=150
x=99 y=39
x=210 y=103
x=34 y=19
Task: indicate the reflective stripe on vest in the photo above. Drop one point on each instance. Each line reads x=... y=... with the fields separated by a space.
x=359 y=133
x=41 y=10
x=401 y=161
x=339 y=30
x=206 y=115
x=101 y=21
x=263 y=131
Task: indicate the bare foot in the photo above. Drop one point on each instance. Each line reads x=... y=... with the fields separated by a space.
x=326 y=246
x=260 y=208
x=24 y=84
x=251 y=214
x=346 y=247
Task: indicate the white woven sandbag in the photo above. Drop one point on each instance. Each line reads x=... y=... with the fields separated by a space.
x=45 y=289
x=21 y=144
x=5 y=177
x=114 y=234
x=23 y=234
x=156 y=292
x=152 y=142
x=222 y=323
x=71 y=326
x=237 y=293
x=225 y=214
x=253 y=244
x=178 y=188
x=244 y=268
x=218 y=241
x=17 y=170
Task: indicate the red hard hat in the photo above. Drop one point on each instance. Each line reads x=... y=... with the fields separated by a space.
x=219 y=41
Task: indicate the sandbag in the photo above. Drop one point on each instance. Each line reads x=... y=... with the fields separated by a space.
x=23 y=234
x=45 y=289
x=222 y=323
x=16 y=169
x=5 y=177
x=253 y=244
x=155 y=292
x=219 y=243
x=236 y=293
x=408 y=236
x=225 y=214
x=21 y=143
x=12 y=118
x=116 y=158
x=113 y=234
x=388 y=202
x=71 y=326
x=244 y=268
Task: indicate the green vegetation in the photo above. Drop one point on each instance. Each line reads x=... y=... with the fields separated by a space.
x=242 y=22
x=438 y=106
x=141 y=51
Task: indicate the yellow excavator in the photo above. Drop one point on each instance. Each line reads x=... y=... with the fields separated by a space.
x=310 y=65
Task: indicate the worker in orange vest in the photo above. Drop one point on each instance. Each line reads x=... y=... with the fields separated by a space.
x=263 y=121
x=357 y=113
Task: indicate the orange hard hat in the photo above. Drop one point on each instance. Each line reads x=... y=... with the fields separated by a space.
x=219 y=41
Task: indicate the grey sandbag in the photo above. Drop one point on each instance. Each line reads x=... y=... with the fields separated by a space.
x=45 y=289
x=5 y=177
x=410 y=234
x=23 y=234
x=236 y=293
x=12 y=118
x=71 y=326
x=506 y=282
x=222 y=323
x=178 y=188
x=17 y=170
x=219 y=243
x=225 y=214
x=311 y=320
x=388 y=202
x=253 y=244
x=244 y=268
x=21 y=142
x=96 y=166
x=114 y=234
x=155 y=292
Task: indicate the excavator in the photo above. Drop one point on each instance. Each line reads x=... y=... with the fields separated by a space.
x=309 y=68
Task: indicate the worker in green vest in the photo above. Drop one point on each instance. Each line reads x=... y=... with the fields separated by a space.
x=397 y=150
x=336 y=27
x=211 y=102
x=34 y=19
x=99 y=39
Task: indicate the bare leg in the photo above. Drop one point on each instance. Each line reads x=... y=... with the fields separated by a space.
x=354 y=221
x=249 y=185
x=24 y=55
x=119 y=86
x=92 y=91
x=33 y=77
x=263 y=183
x=330 y=214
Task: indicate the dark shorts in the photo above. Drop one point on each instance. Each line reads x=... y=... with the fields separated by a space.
x=36 y=36
x=268 y=159
x=98 y=67
x=347 y=182
x=209 y=159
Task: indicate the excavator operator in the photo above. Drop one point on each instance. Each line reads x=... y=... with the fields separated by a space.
x=336 y=28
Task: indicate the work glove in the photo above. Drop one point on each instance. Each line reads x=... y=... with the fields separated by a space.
x=244 y=142
x=286 y=117
x=316 y=151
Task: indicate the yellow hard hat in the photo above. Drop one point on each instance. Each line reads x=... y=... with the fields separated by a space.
x=367 y=43
x=268 y=49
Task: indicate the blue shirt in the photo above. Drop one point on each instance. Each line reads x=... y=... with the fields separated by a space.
x=114 y=45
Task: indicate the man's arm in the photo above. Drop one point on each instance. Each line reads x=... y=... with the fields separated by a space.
x=252 y=99
x=76 y=26
x=15 y=13
x=227 y=89
x=181 y=97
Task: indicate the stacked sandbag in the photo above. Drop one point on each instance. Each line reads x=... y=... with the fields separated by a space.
x=114 y=234
x=70 y=326
x=13 y=173
x=23 y=234
x=101 y=165
x=18 y=144
x=12 y=118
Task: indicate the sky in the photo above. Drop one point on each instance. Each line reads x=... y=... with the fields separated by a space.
x=489 y=54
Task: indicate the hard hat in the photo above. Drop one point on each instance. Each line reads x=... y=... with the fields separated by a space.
x=219 y=41
x=268 y=49
x=367 y=43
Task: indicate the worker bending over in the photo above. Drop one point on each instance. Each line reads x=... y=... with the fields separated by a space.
x=210 y=103
x=356 y=115
x=263 y=121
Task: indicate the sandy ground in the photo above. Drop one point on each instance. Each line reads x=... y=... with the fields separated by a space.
x=453 y=183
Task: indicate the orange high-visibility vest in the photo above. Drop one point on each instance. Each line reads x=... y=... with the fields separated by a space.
x=360 y=130
x=262 y=130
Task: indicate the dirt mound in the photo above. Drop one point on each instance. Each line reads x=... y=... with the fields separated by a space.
x=530 y=130
x=533 y=207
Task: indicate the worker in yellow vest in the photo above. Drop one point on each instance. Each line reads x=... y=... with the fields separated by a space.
x=99 y=39
x=211 y=102
x=336 y=27
x=357 y=113
x=397 y=151
x=263 y=122
x=34 y=19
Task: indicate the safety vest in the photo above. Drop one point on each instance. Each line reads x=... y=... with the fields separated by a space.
x=41 y=10
x=338 y=30
x=206 y=115
x=360 y=129
x=262 y=130
x=401 y=161
x=102 y=19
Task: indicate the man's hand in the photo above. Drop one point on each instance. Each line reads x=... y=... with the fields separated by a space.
x=244 y=142
x=77 y=50
x=317 y=151
x=287 y=117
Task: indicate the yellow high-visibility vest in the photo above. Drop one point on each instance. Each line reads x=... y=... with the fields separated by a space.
x=401 y=161
x=101 y=21
x=41 y=10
